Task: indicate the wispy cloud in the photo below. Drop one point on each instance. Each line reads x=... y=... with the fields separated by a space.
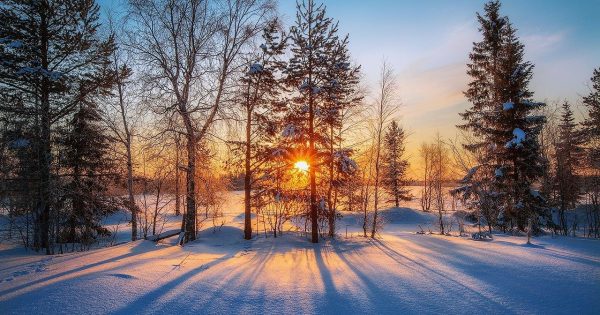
x=537 y=44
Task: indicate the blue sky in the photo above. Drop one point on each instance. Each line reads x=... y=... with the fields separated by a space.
x=428 y=43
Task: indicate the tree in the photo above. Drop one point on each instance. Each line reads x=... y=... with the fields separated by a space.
x=591 y=129
x=386 y=104
x=592 y=122
x=477 y=191
x=121 y=117
x=501 y=118
x=53 y=59
x=312 y=40
x=342 y=95
x=261 y=87
x=568 y=157
x=87 y=159
x=426 y=155
x=439 y=174
x=191 y=49
x=395 y=165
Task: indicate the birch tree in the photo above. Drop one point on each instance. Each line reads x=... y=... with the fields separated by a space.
x=386 y=105
x=190 y=50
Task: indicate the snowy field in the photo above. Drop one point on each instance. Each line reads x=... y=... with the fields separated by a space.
x=399 y=273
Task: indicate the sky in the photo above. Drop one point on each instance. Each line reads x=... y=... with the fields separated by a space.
x=428 y=43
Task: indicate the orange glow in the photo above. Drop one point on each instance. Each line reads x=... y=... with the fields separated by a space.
x=301 y=166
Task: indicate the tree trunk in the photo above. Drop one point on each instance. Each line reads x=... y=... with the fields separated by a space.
x=190 y=222
x=156 y=205
x=132 y=205
x=331 y=212
x=43 y=211
x=376 y=192
x=313 y=182
x=177 y=180
x=248 y=179
x=529 y=231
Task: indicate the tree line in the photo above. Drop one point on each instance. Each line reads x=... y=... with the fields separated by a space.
x=522 y=163
x=128 y=113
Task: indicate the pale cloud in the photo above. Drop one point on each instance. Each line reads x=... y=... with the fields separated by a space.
x=536 y=44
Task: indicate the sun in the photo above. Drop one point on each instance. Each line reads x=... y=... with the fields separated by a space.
x=301 y=166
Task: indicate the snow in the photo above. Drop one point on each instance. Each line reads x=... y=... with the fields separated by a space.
x=19 y=143
x=347 y=164
x=536 y=194
x=519 y=137
x=470 y=174
x=508 y=106
x=343 y=65
x=304 y=85
x=16 y=44
x=53 y=75
x=256 y=68
x=400 y=272
x=498 y=172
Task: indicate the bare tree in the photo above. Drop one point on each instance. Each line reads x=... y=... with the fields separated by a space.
x=386 y=104
x=121 y=118
x=426 y=154
x=190 y=49
x=439 y=176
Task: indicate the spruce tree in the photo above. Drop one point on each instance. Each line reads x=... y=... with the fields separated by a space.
x=568 y=158
x=592 y=123
x=591 y=129
x=52 y=59
x=341 y=96
x=87 y=159
x=312 y=40
x=260 y=99
x=501 y=119
x=395 y=164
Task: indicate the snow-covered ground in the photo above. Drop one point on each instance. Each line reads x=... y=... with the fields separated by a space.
x=401 y=272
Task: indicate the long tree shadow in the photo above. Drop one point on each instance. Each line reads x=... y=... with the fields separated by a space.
x=426 y=270
x=133 y=252
x=141 y=304
x=338 y=301
x=556 y=253
x=371 y=289
x=236 y=281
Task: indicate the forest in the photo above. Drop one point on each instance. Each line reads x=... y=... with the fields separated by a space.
x=156 y=131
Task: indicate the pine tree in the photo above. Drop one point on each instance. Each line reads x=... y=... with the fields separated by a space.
x=591 y=129
x=568 y=157
x=261 y=89
x=87 y=160
x=592 y=123
x=501 y=118
x=313 y=39
x=52 y=59
x=341 y=96
x=395 y=165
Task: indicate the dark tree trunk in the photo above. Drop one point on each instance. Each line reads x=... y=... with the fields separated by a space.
x=43 y=210
x=190 y=222
x=177 y=180
x=248 y=179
